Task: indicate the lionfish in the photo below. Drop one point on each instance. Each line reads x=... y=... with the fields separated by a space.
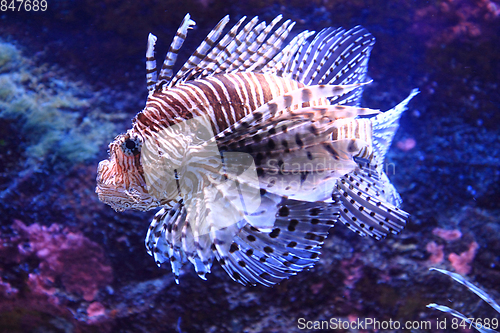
x=254 y=149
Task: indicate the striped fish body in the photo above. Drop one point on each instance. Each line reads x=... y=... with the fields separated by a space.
x=253 y=151
x=295 y=158
x=226 y=98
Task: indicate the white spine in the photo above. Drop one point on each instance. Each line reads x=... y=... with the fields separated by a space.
x=151 y=73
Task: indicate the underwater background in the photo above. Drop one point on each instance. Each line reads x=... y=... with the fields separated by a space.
x=72 y=77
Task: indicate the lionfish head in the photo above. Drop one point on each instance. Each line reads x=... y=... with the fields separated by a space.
x=120 y=178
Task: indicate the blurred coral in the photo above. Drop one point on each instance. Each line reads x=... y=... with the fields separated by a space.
x=406 y=144
x=6 y=290
x=436 y=251
x=71 y=257
x=461 y=262
x=447 y=235
x=448 y=20
x=9 y=55
x=352 y=269
x=52 y=115
x=49 y=125
x=95 y=310
x=62 y=267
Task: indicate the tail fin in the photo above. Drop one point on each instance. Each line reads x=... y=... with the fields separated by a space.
x=369 y=202
x=385 y=126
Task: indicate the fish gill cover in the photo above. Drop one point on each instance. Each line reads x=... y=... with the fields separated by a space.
x=445 y=157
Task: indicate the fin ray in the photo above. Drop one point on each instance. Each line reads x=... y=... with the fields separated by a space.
x=166 y=71
x=267 y=257
x=200 y=53
x=385 y=126
x=364 y=208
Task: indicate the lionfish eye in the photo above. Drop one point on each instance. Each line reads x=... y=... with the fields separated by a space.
x=131 y=146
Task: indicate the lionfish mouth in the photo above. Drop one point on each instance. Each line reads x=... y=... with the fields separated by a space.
x=121 y=193
x=107 y=190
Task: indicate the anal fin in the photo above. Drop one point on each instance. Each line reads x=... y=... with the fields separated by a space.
x=364 y=208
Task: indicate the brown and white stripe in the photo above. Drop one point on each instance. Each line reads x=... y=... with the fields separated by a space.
x=225 y=98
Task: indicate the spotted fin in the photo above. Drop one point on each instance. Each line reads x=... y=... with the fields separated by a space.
x=370 y=203
x=219 y=53
x=283 y=60
x=364 y=208
x=236 y=47
x=303 y=127
x=263 y=44
x=271 y=47
x=268 y=256
x=250 y=250
x=157 y=240
x=302 y=158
